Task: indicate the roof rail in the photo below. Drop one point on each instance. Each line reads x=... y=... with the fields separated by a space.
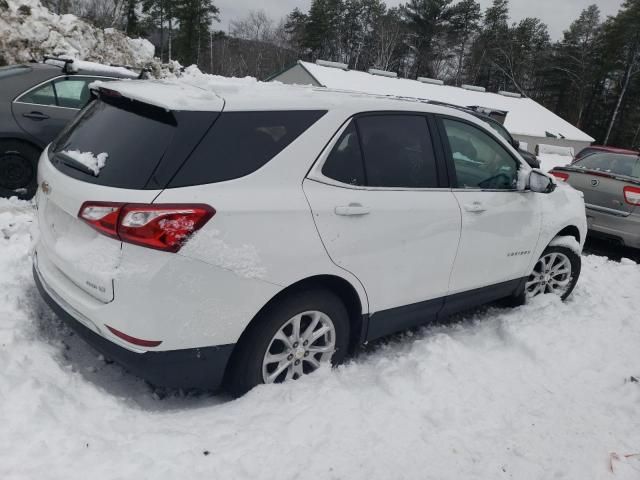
x=68 y=63
x=382 y=73
x=474 y=88
x=509 y=94
x=432 y=81
x=144 y=72
x=327 y=63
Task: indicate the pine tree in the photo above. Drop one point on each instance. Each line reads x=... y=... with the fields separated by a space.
x=464 y=24
x=194 y=18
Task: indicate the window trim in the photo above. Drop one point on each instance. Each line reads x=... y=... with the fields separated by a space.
x=448 y=155
x=315 y=172
x=16 y=100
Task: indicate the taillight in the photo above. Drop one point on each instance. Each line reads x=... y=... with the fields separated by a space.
x=632 y=195
x=562 y=176
x=103 y=216
x=159 y=226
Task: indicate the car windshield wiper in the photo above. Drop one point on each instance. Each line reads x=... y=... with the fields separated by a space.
x=73 y=163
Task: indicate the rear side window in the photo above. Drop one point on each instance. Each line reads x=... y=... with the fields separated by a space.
x=628 y=165
x=43 y=95
x=345 y=163
x=392 y=151
x=397 y=151
x=239 y=143
x=133 y=139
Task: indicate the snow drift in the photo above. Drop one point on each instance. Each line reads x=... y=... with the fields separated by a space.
x=28 y=31
x=537 y=392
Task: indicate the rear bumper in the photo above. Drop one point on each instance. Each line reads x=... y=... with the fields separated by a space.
x=625 y=229
x=201 y=368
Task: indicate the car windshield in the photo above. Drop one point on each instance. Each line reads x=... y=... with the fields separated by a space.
x=615 y=163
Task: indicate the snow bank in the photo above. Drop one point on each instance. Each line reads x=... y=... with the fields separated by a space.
x=555 y=150
x=24 y=37
x=95 y=163
x=537 y=392
x=549 y=161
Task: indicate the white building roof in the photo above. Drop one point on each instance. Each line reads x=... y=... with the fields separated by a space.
x=525 y=116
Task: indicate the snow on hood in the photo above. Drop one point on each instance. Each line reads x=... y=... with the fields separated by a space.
x=27 y=37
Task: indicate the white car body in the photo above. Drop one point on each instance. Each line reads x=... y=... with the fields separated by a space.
x=404 y=253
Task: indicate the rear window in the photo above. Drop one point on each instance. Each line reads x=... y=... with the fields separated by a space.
x=617 y=164
x=134 y=138
x=239 y=143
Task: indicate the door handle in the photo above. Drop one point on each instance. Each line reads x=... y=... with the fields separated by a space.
x=36 y=115
x=353 y=209
x=475 y=207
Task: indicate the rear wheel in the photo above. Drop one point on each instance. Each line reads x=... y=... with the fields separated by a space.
x=556 y=271
x=292 y=338
x=18 y=169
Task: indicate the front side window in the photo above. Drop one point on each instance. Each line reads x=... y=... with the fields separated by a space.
x=479 y=160
x=72 y=92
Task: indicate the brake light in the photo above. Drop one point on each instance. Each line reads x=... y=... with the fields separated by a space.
x=103 y=216
x=562 y=176
x=632 y=195
x=160 y=226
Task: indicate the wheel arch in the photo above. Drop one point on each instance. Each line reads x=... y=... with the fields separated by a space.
x=569 y=231
x=333 y=283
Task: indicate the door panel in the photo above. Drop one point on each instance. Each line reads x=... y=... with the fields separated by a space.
x=400 y=244
x=499 y=233
x=42 y=121
x=500 y=225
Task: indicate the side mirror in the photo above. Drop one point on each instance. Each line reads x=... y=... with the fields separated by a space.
x=540 y=182
x=516 y=144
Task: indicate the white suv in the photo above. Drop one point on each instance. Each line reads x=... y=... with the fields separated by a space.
x=246 y=235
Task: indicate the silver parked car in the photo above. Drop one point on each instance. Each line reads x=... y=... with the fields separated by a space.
x=611 y=186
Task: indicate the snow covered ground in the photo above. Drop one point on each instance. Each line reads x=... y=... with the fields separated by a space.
x=537 y=392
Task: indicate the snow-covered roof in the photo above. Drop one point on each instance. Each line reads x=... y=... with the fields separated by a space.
x=167 y=94
x=525 y=116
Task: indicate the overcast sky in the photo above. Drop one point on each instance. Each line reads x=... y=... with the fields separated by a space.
x=557 y=14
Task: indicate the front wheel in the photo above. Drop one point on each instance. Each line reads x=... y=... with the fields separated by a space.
x=556 y=271
x=292 y=338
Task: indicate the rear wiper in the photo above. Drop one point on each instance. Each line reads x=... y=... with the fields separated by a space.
x=73 y=163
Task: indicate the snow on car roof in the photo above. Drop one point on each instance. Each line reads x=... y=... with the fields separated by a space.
x=83 y=66
x=525 y=117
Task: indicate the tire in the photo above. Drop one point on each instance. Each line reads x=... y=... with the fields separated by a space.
x=18 y=169
x=248 y=363
x=544 y=286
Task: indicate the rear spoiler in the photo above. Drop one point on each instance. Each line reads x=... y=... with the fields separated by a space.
x=597 y=173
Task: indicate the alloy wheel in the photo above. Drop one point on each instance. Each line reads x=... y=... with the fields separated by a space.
x=299 y=347
x=551 y=274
